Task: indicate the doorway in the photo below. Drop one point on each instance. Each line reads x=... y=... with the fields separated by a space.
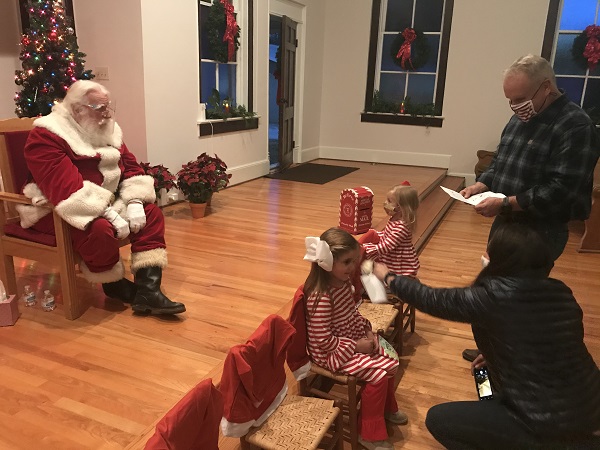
x=282 y=96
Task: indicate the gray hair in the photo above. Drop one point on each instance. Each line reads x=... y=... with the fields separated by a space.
x=536 y=68
x=79 y=90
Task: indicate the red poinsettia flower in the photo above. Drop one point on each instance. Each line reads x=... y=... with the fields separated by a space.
x=200 y=178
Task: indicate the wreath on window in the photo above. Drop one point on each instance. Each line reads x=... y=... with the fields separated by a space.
x=410 y=50
x=586 y=47
x=222 y=31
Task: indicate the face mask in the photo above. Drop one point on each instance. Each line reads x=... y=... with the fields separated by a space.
x=525 y=111
x=390 y=209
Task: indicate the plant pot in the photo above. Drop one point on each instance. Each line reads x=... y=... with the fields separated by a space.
x=198 y=210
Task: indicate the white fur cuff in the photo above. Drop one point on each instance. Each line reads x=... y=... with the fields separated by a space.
x=30 y=214
x=139 y=187
x=149 y=258
x=302 y=372
x=85 y=205
x=115 y=274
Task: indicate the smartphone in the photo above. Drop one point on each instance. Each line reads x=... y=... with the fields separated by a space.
x=482 y=382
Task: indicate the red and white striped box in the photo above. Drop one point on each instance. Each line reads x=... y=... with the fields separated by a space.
x=9 y=311
x=356 y=209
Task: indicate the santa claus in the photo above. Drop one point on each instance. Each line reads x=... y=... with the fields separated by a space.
x=79 y=163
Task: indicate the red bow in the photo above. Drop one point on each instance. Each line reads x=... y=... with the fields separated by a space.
x=409 y=36
x=405 y=183
x=231 y=29
x=592 y=48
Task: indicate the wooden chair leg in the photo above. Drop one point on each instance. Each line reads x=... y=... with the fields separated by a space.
x=413 y=317
x=7 y=274
x=339 y=427
x=72 y=303
x=353 y=413
x=244 y=445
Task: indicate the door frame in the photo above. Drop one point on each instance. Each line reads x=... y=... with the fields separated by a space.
x=297 y=13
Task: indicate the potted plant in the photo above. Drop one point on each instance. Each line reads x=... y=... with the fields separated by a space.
x=200 y=178
x=163 y=179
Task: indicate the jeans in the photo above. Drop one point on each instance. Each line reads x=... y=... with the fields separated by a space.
x=555 y=235
x=488 y=424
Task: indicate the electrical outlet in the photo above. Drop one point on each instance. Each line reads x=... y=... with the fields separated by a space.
x=101 y=73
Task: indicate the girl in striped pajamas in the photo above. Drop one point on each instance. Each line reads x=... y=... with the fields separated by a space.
x=341 y=340
x=395 y=248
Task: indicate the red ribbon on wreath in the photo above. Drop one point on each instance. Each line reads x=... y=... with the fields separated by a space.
x=409 y=36
x=231 y=29
x=592 y=48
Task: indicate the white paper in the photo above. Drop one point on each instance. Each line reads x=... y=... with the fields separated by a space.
x=474 y=199
x=375 y=288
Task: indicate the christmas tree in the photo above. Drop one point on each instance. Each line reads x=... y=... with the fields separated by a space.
x=51 y=59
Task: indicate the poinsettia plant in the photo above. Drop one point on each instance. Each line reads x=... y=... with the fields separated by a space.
x=200 y=178
x=163 y=179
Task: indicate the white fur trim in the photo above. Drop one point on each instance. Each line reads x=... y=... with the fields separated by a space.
x=232 y=429
x=61 y=123
x=115 y=274
x=84 y=205
x=30 y=214
x=150 y=258
x=302 y=372
x=139 y=187
x=32 y=191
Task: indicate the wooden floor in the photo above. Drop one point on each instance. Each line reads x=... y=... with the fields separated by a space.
x=101 y=382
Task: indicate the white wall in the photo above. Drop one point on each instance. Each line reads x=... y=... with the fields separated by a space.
x=486 y=37
x=10 y=35
x=110 y=34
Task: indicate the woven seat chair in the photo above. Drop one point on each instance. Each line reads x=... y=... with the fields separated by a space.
x=298 y=423
x=321 y=383
x=253 y=383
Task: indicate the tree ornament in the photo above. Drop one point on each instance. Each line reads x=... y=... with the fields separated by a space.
x=223 y=31
x=410 y=49
x=586 y=47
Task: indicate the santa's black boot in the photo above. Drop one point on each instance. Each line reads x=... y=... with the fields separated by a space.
x=123 y=290
x=149 y=298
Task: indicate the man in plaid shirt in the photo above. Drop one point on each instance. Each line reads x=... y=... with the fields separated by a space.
x=546 y=157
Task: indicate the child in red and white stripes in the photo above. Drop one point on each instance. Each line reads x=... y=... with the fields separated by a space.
x=395 y=248
x=341 y=340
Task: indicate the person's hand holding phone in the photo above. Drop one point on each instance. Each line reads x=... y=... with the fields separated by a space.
x=478 y=363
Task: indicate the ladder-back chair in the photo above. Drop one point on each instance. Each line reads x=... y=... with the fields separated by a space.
x=16 y=241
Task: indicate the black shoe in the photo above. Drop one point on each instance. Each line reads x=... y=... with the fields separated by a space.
x=470 y=354
x=149 y=298
x=123 y=290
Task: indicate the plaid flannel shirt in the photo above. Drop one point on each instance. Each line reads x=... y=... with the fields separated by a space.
x=548 y=163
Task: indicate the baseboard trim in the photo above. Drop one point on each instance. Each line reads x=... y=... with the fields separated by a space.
x=307 y=154
x=469 y=177
x=386 y=157
x=248 y=172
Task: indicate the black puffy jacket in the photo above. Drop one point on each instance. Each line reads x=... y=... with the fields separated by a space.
x=531 y=334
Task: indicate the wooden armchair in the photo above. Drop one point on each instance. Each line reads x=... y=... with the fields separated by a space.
x=16 y=241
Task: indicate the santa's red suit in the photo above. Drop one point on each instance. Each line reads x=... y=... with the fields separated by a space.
x=81 y=181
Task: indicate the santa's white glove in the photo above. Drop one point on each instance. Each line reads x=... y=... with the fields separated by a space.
x=136 y=215
x=119 y=224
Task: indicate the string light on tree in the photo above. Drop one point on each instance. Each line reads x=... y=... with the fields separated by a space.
x=50 y=58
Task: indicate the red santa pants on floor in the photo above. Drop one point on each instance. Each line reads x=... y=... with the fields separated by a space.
x=98 y=246
x=376 y=400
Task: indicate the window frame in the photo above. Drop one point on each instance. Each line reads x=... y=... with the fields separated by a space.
x=550 y=40
x=244 y=76
x=374 y=58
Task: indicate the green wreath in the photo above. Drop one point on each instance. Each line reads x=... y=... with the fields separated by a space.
x=579 y=44
x=419 y=50
x=216 y=23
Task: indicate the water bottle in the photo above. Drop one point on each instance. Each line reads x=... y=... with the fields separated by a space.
x=48 y=301
x=29 y=296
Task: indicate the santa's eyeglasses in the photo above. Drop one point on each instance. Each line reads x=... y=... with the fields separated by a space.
x=106 y=108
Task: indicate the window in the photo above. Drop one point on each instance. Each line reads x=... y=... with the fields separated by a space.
x=232 y=79
x=567 y=19
x=391 y=87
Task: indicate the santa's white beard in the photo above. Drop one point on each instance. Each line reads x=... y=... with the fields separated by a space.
x=98 y=133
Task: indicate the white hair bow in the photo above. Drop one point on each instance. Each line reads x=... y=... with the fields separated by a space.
x=318 y=251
